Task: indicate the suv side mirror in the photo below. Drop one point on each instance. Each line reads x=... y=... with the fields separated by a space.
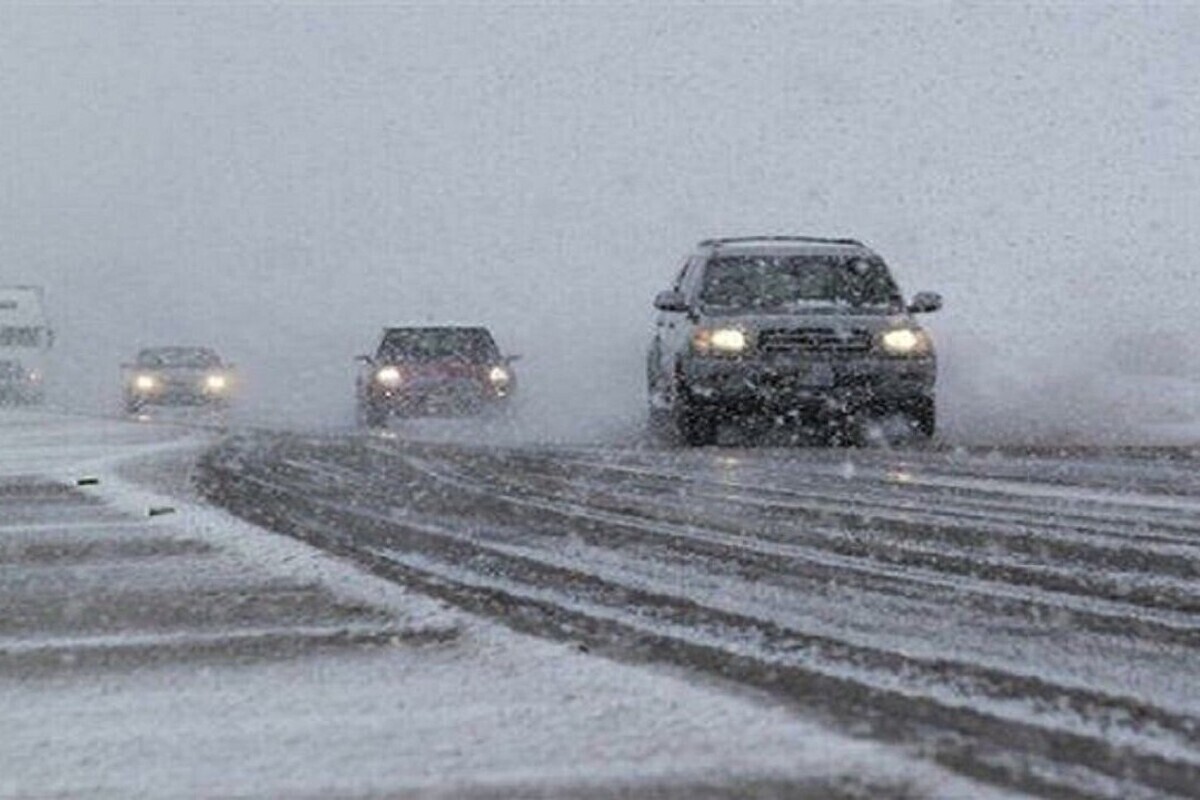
x=671 y=301
x=365 y=360
x=512 y=358
x=925 y=302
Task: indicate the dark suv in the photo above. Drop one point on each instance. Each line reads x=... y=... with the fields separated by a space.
x=800 y=329
x=433 y=371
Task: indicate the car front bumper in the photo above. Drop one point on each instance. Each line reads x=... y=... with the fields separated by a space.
x=177 y=397
x=438 y=400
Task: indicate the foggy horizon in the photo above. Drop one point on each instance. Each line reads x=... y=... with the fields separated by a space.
x=281 y=183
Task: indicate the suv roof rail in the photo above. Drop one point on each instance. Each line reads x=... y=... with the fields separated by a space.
x=750 y=239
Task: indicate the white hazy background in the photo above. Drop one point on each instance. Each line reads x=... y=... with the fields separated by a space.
x=282 y=182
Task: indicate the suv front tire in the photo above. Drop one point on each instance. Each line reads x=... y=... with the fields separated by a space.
x=372 y=416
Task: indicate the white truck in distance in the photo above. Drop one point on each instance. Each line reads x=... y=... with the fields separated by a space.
x=25 y=338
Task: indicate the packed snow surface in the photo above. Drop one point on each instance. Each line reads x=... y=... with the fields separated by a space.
x=116 y=699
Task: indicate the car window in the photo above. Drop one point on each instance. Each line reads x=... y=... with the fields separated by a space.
x=677 y=285
x=693 y=276
x=178 y=357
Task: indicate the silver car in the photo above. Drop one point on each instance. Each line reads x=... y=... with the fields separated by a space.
x=792 y=330
x=177 y=376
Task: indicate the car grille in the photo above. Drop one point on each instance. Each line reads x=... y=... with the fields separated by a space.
x=819 y=340
x=183 y=387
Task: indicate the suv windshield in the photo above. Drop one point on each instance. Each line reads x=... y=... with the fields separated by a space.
x=178 y=357
x=432 y=344
x=797 y=280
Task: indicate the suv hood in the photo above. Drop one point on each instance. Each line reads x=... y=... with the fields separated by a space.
x=834 y=320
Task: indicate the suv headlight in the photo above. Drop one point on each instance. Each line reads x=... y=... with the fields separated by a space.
x=216 y=382
x=906 y=342
x=388 y=376
x=145 y=383
x=720 y=341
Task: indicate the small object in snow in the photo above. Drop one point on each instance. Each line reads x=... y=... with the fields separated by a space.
x=88 y=482
x=583 y=648
x=159 y=511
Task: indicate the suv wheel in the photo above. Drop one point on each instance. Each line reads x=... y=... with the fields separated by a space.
x=913 y=423
x=372 y=416
x=697 y=427
x=924 y=416
x=658 y=424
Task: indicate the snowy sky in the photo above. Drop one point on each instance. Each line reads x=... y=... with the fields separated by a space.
x=283 y=181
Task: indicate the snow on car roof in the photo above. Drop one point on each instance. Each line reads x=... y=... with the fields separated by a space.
x=776 y=245
x=790 y=248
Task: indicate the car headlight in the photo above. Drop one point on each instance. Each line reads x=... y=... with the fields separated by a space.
x=388 y=376
x=499 y=377
x=216 y=383
x=145 y=383
x=906 y=342
x=720 y=341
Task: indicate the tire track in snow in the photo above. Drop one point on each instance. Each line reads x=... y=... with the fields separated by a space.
x=334 y=495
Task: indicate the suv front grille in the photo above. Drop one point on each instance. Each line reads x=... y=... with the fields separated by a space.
x=818 y=340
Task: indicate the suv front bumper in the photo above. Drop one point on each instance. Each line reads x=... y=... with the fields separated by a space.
x=750 y=385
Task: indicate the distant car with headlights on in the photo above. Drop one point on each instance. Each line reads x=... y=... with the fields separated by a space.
x=177 y=376
x=433 y=371
x=797 y=330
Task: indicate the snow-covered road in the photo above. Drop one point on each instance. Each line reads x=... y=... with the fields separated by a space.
x=192 y=654
x=1028 y=617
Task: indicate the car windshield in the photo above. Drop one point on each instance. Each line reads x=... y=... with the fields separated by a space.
x=433 y=344
x=178 y=357
x=761 y=282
